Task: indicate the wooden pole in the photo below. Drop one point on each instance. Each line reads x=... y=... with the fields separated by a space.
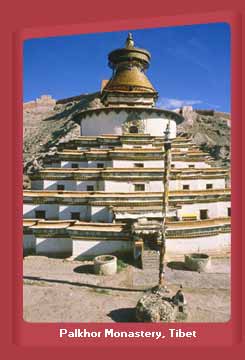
x=167 y=167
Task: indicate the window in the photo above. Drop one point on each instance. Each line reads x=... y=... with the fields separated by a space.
x=229 y=211
x=100 y=165
x=191 y=166
x=75 y=215
x=203 y=214
x=60 y=187
x=139 y=187
x=74 y=166
x=40 y=214
x=209 y=186
x=90 y=187
x=172 y=166
x=186 y=187
x=133 y=129
x=140 y=165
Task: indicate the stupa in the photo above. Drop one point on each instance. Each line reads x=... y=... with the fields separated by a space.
x=103 y=192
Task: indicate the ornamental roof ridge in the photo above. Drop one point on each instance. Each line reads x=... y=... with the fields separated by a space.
x=89 y=112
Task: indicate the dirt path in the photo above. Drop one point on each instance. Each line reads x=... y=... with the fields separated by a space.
x=61 y=291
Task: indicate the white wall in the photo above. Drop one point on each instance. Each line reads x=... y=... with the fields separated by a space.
x=29 y=242
x=208 y=244
x=72 y=185
x=52 y=210
x=197 y=184
x=65 y=212
x=127 y=185
x=101 y=214
x=185 y=164
x=87 y=248
x=37 y=184
x=93 y=164
x=130 y=163
x=215 y=209
x=82 y=185
x=52 y=184
x=112 y=122
x=53 y=246
x=86 y=164
x=67 y=164
x=156 y=186
x=115 y=186
x=157 y=128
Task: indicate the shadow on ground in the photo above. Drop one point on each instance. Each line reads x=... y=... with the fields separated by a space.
x=123 y=315
x=84 y=269
x=177 y=265
x=73 y=283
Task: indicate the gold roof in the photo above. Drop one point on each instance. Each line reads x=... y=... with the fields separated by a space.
x=132 y=80
x=129 y=64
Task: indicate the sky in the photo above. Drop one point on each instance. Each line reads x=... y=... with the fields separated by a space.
x=190 y=65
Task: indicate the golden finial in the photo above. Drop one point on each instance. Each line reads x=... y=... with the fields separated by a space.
x=129 y=42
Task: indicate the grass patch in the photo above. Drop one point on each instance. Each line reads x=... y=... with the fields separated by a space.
x=101 y=291
x=121 y=265
x=36 y=283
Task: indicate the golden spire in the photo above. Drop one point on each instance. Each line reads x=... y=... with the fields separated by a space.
x=129 y=41
x=129 y=65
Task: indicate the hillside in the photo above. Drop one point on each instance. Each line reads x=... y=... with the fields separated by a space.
x=47 y=123
x=211 y=131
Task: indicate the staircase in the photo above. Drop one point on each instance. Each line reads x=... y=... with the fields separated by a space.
x=150 y=260
x=148 y=277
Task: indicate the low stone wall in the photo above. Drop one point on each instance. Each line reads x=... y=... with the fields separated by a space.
x=43 y=104
x=88 y=249
x=219 y=243
x=55 y=247
x=29 y=244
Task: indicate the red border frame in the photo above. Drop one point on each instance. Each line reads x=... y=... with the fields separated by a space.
x=35 y=336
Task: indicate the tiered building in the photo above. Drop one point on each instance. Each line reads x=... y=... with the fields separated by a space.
x=103 y=192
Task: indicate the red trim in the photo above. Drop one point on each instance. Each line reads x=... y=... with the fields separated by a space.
x=21 y=20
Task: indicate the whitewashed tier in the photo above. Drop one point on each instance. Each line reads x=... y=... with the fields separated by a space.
x=124 y=120
x=108 y=207
x=103 y=192
x=84 y=240
x=127 y=180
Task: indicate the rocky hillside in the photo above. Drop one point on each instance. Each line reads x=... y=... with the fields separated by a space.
x=47 y=125
x=211 y=131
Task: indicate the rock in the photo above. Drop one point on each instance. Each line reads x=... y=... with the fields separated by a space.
x=153 y=307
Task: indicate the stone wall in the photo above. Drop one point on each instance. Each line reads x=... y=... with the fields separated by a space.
x=41 y=105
